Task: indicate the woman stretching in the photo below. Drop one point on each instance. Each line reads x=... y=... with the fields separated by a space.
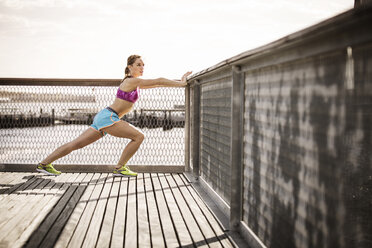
x=108 y=120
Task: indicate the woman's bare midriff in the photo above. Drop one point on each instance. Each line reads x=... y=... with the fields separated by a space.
x=121 y=106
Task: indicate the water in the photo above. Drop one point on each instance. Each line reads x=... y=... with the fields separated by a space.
x=61 y=98
x=31 y=145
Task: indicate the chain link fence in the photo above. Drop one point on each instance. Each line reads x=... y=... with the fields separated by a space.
x=36 y=119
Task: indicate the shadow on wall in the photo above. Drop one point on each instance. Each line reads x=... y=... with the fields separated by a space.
x=311 y=155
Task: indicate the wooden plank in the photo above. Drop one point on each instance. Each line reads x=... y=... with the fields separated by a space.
x=213 y=223
x=96 y=221
x=45 y=184
x=104 y=238
x=5 y=180
x=157 y=237
x=21 y=176
x=182 y=230
x=165 y=219
x=13 y=177
x=169 y=200
x=5 y=196
x=144 y=239
x=38 y=205
x=11 y=205
x=16 y=214
x=187 y=215
x=117 y=239
x=20 y=186
x=8 y=196
x=17 y=198
x=51 y=197
x=19 y=201
x=71 y=224
x=130 y=239
x=8 y=180
x=24 y=199
x=39 y=181
x=81 y=229
x=66 y=212
x=42 y=206
x=37 y=237
x=201 y=220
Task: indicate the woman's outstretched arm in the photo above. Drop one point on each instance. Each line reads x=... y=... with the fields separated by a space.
x=158 y=82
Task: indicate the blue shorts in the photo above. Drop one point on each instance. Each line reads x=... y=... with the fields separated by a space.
x=105 y=118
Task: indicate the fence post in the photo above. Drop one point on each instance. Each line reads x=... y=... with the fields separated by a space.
x=187 y=128
x=196 y=130
x=237 y=133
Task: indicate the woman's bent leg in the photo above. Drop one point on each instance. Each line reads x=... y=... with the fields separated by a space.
x=123 y=129
x=87 y=137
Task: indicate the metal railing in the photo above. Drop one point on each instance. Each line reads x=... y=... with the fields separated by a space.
x=38 y=115
x=280 y=136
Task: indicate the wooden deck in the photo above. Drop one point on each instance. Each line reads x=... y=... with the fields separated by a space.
x=98 y=210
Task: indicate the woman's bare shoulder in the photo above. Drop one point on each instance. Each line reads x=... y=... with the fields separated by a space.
x=129 y=84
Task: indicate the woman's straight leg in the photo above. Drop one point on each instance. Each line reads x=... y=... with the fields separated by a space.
x=87 y=137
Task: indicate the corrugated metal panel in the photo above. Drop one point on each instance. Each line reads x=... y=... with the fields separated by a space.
x=216 y=134
x=357 y=171
x=293 y=150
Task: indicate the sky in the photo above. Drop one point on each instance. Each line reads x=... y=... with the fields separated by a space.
x=93 y=38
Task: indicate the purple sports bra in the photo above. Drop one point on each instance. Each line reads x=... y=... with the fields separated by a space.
x=131 y=96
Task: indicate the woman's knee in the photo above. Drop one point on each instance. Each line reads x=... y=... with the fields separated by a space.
x=139 y=137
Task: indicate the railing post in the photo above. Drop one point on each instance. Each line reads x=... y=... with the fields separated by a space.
x=196 y=130
x=187 y=128
x=237 y=133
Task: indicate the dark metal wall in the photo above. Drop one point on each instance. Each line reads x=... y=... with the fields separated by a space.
x=215 y=130
x=293 y=154
x=306 y=165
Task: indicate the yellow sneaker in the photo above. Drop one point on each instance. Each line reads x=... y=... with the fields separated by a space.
x=124 y=171
x=48 y=169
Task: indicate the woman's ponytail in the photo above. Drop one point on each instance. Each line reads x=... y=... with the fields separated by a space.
x=127 y=72
x=130 y=61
